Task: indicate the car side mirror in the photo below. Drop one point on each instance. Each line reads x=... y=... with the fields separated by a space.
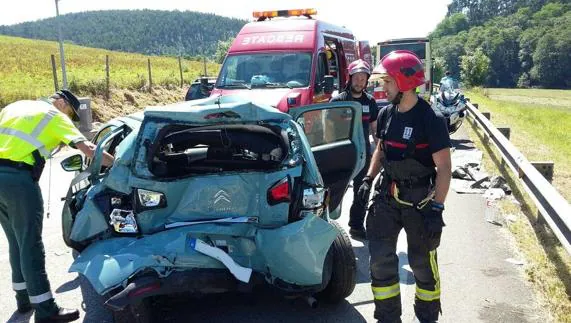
x=72 y=163
x=328 y=84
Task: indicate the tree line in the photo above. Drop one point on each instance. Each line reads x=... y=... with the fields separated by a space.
x=150 y=32
x=505 y=43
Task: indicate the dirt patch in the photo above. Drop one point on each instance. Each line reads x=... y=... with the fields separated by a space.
x=124 y=102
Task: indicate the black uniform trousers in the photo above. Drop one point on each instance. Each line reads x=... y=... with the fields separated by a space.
x=385 y=220
x=358 y=210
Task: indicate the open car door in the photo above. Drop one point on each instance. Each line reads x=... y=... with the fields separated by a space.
x=335 y=133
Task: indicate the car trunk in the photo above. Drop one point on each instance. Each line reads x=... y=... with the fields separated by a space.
x=214 y=173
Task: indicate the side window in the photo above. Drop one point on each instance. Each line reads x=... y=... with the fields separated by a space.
x=327 y=126
x=101 y=134
x=321 y=71
x=98 y=137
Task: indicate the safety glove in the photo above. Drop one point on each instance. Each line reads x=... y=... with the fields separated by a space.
x=433 y=221
x=365 y=190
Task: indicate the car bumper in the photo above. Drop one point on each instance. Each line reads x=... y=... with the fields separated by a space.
x=293 y=254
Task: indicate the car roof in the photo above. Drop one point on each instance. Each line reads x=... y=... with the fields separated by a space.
x=132 y=120
x=222 y=109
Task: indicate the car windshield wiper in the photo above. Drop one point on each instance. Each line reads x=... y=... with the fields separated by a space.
x=235 y=85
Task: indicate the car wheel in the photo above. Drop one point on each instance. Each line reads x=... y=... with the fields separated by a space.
x=343 y=268
x=135 y=313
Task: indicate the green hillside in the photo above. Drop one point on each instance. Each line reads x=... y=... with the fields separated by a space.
x=511 y=43
x=150 y=32
x=26 y=71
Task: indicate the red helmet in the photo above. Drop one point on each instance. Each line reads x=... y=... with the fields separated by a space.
x=359 y=66
x=404 y=66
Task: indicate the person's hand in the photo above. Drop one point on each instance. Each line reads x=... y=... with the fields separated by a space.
x=365 y=190
x=433 y=223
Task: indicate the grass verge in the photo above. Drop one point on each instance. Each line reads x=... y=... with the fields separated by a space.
x=539 y=131
x=548 y=266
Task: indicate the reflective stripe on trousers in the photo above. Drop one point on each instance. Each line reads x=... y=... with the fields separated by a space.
x=382 y=293
x=41 y=298
x=19 y=286
x=429 y=295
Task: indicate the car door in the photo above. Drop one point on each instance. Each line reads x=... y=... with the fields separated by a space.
x=107 y=140
x=338 y=145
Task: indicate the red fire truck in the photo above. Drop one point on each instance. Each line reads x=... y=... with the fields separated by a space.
x=286 y=58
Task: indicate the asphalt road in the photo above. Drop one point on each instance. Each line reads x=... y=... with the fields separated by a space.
x=478 y=284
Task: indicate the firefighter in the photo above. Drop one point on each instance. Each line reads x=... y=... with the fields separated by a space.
x=414 y=152
x=359 y=73
x=29 y=131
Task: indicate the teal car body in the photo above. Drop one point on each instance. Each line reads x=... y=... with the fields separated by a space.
x=240 y=179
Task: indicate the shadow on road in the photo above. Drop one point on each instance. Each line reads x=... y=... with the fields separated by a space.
x=264 y=305
x=462 y=144
x=68 y=286
x=20 y=318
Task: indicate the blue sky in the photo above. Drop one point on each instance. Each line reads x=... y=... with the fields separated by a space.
x=369 y=20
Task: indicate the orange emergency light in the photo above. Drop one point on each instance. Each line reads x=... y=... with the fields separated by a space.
x=261 y=15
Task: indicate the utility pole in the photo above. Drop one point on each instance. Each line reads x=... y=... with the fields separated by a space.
x=60 y=38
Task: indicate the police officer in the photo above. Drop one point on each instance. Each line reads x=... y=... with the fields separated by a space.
x=414 y=152
x=359 y=73
x=29 y=131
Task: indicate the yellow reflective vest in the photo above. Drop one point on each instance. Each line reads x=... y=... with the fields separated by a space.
x=29 y=125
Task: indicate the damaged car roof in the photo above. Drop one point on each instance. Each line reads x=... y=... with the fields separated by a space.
x=231 y=108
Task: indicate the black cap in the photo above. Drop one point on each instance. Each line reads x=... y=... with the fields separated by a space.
x=72 y=100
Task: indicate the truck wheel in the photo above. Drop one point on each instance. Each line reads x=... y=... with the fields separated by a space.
x=135 y=313
x=343 y=268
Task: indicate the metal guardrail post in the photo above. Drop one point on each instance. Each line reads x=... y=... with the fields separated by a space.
x=555 y=210
x=505 y=131
x=545 y=168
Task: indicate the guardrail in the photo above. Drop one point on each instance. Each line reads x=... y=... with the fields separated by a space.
x=552 y=206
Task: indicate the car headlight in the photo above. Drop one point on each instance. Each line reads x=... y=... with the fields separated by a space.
x=150 y=199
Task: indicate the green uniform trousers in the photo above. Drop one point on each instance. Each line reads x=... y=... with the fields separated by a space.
x=21 y=217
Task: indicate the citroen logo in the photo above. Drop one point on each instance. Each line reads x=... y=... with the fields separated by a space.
x=220 y=196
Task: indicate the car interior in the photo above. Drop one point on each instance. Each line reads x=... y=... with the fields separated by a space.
x=183 y=151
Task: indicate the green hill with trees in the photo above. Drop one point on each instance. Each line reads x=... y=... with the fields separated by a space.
x=149 y=32
x=505 y=43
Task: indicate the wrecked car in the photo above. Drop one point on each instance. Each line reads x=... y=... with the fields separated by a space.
x=211 y=196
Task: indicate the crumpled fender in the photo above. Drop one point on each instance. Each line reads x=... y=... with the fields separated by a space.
x=295 y=253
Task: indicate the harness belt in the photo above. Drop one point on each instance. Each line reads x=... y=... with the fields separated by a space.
x=394 y=192
x=36 y=170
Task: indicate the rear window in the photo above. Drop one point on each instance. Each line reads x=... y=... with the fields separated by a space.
x=186 y=151
x=419 y=49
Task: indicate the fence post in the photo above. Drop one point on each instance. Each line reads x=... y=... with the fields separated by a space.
x=107 y=81
x=150 y=77
x=54 y=70
x=204 y=62
x=180 y=69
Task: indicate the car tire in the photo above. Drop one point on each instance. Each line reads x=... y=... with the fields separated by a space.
x=135 y=313
x=343 y=268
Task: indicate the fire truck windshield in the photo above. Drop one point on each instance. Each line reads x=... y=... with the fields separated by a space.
x=265 y=70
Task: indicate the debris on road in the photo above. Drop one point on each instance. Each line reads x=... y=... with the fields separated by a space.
x=469 y=177
x=515 y=261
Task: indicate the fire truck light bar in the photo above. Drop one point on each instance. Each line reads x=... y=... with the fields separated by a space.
x=284 y=13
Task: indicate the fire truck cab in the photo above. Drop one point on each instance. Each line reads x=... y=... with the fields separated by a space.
x=287 y=59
